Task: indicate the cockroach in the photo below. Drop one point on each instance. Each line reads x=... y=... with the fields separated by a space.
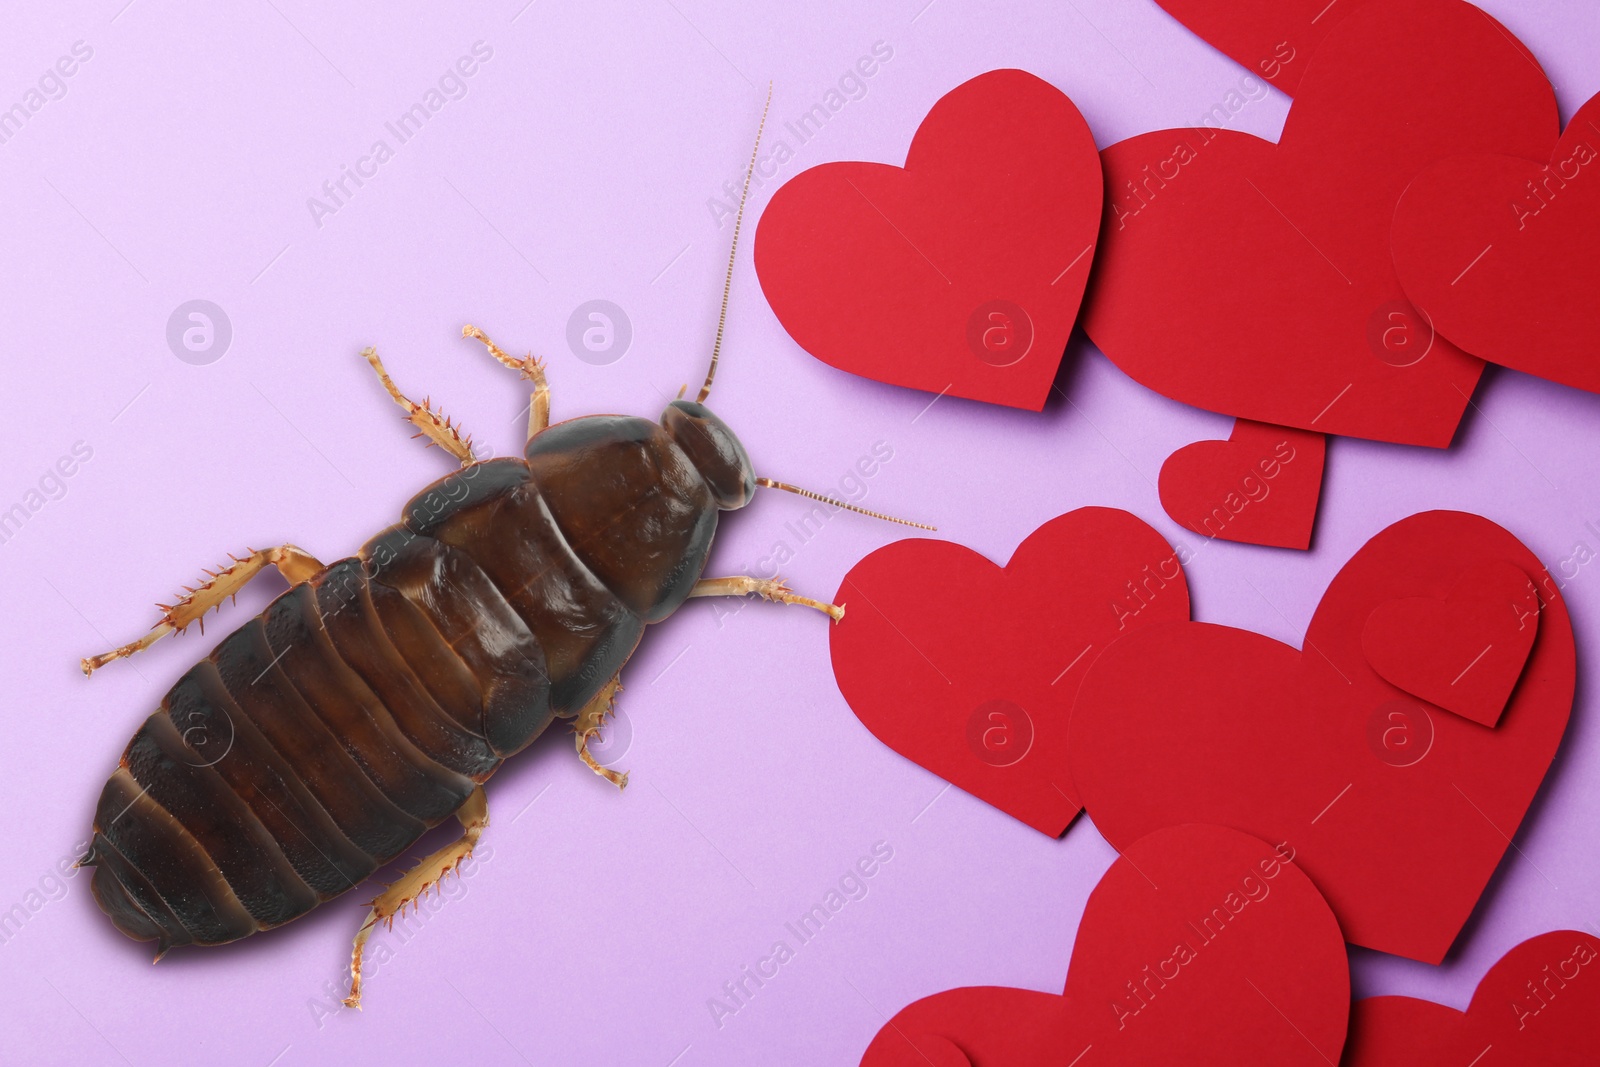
x=372 y=700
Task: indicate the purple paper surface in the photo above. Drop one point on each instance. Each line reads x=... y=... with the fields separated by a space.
x=203 y=153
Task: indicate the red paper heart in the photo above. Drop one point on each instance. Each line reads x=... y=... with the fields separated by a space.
x=1200 y=946
x=1464 y=652
x=1260 y=486
x=1398 y=814
x=1255 y=279
x=961 y=273
x=969 y=669
x=1537 y=1005
x=1499 y=253
x=1272 y=38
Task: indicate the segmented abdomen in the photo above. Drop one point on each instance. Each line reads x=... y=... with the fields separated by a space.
x=321 y=739
x=315 y=743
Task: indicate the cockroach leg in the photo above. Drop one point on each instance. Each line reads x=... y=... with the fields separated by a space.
x=415 y=883
x=429 y=423
x=587 y=725
x=532 y=369
x=295 y=564
x=770 y=588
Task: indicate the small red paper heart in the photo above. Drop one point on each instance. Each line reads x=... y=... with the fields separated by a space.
x=969 y=669
x=1270 y=38
x=1259 y=487
x=1499 y=253
x=1255 y=279
x=1200 y=945
x=1398 y=814
x=960 y=273
x=1464 y=652
x=1537 y=1005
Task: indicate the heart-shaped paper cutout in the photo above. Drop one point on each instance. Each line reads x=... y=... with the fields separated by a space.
x=960 y=273
x=1463 y=652
x=1200 y=945
x=1255 y=279
x=1270 y=38
x=1398 y=814
x=1259 y=487
x=1537 y=1005
x=1498 y=252
x=969 y=669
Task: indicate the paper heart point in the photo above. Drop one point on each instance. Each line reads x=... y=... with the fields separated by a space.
x=1399 y=813
x=1463 y=652
x=1259 y=487
x=969 y=669
x=959 y=273
x=1198 y=946
x=1537 y=1005
x=1498 y=251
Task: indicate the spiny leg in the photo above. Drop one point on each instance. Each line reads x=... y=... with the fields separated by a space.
x=415 y=883
x=295 y=564
x=771 y=588
x=587 y=725
x=429 y=423
x=532 y=370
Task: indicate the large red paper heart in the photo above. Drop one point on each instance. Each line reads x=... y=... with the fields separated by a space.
x=1259 y=487
x=1537 y=1005
x=1255 y=279
x=1200 y=946
x=961 y=273
x=1270 y=38
x=1499 y=252
x=1464 y=652
x=970 y=669
x=1398 y=814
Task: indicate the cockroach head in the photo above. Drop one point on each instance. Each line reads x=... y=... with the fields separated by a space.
x=713 y=449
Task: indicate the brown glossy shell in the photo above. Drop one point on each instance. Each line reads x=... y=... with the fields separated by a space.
x=322 y=738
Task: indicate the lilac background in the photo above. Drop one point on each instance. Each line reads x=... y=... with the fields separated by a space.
x=578 y=166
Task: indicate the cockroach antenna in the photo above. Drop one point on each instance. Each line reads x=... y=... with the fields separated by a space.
x=738 y=219
x=768 y=483
x=722 y=321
